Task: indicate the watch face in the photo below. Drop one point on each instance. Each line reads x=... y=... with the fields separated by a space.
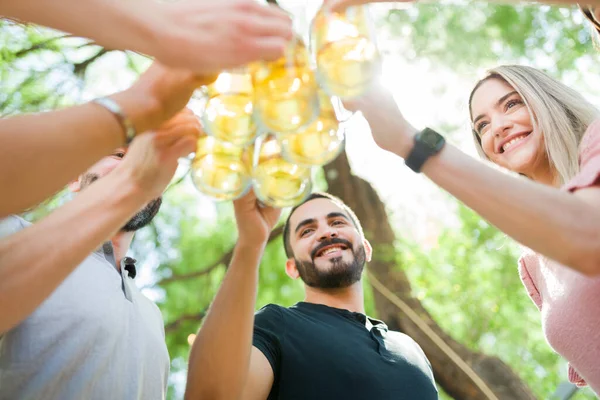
x=431 y=138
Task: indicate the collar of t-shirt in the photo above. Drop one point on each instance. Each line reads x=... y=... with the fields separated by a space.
x=360 y=317
x=127 y=272
x=127 y=263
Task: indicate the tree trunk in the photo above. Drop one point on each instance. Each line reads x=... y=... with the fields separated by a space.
x=362 y=198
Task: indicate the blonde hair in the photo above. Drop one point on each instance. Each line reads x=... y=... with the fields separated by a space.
x=560 y=113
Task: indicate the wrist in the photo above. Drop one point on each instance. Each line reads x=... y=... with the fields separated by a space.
x=251 y=251
x=250 y=244
x=142 y=110
x=406 y=140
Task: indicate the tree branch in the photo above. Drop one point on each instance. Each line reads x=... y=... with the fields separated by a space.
x=80 y=69
x=174 y=325
x=40 y=45
x=224 y=260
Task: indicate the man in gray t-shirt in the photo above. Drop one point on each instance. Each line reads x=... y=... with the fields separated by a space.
x=73 y=323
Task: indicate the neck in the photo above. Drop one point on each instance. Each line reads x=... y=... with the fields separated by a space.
x=350 y=298
x=121 y=242
x=547 y=176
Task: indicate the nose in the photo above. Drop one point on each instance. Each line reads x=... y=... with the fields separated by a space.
x=501 y=125
x=328 y=234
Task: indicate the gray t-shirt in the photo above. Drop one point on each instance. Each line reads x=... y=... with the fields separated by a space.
x=95 y=337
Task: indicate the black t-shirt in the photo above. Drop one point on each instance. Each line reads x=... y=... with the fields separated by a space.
x=319 y=352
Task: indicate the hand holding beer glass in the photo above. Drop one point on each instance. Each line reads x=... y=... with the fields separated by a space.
x=270 y=122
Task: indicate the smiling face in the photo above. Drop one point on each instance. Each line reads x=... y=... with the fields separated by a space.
x=328 y=250
x=504 y=126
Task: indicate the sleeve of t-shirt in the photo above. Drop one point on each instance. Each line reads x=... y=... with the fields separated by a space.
x=528 y=259
x=269 y=330
x=589 y=160
x=11 y=225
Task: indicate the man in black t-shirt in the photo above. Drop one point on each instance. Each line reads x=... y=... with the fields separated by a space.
x=324 y=347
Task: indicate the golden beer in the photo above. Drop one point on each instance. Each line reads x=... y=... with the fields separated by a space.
x=277 y=182
x=319 y=143
x=285 y=91
x=228 y=112
x=345 y=51
x=221 y=170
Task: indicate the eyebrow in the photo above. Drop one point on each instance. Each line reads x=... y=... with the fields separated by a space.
x=310 y=221
x=500 y=101
x=304 y=223
x=336 y=215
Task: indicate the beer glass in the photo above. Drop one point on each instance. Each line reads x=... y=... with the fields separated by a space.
x=220 y=169
x=277 y=182
x=343 y=46
x=227 y=113
x=285 y=91
x=319 y=143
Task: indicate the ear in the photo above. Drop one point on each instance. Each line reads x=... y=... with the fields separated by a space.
x=75 y=186
x=290 y=268
x=368 y=249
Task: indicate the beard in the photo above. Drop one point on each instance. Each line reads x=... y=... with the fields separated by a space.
x=341 y=274
x=141 y=218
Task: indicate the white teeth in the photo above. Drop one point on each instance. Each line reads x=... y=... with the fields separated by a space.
x=507 y=145
x=330 y=250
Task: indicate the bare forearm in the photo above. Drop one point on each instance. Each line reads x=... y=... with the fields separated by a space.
x=35 y=261
x=556 y=224
x=41 y=153
x=114 y=24
x=220 y=357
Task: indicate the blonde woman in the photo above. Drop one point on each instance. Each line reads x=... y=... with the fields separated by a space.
x=527 y=122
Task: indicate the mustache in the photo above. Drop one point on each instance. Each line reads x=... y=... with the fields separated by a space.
x=329 y=243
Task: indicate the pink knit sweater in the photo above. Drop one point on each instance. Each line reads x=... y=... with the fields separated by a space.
x=569 y=301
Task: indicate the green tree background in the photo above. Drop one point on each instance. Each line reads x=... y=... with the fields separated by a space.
x=466 y=278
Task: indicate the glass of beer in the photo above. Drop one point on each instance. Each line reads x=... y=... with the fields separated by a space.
x=220 y=169
x=285 y=91
x=228 y=109
x=319 y=143
x=344 y=48
x=277 y=182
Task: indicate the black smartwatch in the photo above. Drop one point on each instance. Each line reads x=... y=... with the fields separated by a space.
x=427 y=143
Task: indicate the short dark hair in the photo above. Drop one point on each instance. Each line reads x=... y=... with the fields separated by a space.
x=318 y=195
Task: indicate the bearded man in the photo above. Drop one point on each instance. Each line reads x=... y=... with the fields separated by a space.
x=324 y=347
x=73 y=324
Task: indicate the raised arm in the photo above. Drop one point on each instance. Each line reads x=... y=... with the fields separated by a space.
x=560 y=225
x=204 y=36
x=41 y=153
x=35 y=261
x=223 y=363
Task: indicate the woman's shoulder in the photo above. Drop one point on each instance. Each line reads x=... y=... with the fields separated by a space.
x=589 y=160
x=590 y=143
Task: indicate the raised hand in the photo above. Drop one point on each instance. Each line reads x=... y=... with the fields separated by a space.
x=208 y=36
x=254 y=221
x=152 y=157
x=158 y=95
x=390 y=130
